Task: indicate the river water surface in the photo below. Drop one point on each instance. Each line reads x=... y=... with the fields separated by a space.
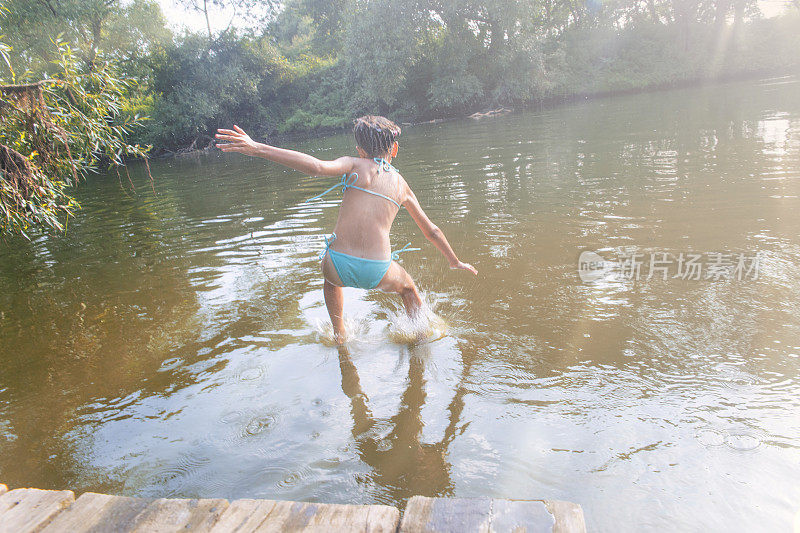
x=172 y=343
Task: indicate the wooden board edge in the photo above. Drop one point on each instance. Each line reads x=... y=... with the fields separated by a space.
x=65 y=498
x=569 y=516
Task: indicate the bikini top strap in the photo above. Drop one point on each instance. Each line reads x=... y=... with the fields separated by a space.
x=383 y=164
x=343 y=183
x=346 y=183
x=351 y=186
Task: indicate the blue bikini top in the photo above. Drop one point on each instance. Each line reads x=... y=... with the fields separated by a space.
x=349 y=183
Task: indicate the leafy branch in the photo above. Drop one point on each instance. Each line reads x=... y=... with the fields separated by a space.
x=53 y=133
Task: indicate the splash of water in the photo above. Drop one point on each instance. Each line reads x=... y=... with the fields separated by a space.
x=356 y=329
x=425 y=326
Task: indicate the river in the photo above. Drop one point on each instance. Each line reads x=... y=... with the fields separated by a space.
x=173 y=342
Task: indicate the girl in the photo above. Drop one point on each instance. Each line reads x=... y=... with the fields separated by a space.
x=358 y=253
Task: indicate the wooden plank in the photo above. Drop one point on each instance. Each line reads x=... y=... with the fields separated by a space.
x=463 y=515
x=482 y=515
x=520 y=516
x=244 y=516
x=120 y=514
x=377 y=518
x=33 y=510
x=98 y=513
x=415 y=516
x=266 y=516
x=288 y=515
x=568 y=516
x=24 y=510
x=383 y=519
x=168 y=516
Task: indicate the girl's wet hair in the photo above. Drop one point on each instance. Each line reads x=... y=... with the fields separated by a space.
x=375 y=135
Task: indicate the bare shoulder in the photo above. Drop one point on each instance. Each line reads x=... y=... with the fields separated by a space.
x=359 y=164
x=405 y=190
x=349 y=159
x=349 y=162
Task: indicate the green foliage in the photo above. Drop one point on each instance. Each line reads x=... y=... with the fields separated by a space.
x=445 y=80
x=252 y=13
x=382 y=44
x=312 y=65
x=123 y=31
x=415 y=59
x=599 y=60
x=319 y=97
x=56 y=131
x=200 y=86
x=4 y=55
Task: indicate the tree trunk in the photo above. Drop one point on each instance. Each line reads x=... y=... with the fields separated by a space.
x=208 y=22
x=651 y=8
x=721 y=12
x=97 y=26
x=496 y=35
x=738 y=12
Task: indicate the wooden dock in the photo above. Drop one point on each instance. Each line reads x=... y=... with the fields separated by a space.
x=50 y=511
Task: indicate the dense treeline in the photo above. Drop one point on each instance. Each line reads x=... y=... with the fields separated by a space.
x=316 y=64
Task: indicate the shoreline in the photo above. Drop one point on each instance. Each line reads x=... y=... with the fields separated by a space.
x=550 y=102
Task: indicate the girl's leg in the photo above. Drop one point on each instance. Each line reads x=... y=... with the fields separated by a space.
x=334 y=301
x=397 y=280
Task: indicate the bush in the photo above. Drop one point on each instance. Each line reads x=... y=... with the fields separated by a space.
x=201 y=87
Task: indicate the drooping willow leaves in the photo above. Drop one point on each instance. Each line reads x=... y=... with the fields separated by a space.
x=55 y=131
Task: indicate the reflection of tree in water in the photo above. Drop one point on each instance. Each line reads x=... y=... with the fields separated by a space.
x=401 y=462
x=95 y=320
x=85 y=317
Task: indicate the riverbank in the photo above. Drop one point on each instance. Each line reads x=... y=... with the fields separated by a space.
x=482 y=113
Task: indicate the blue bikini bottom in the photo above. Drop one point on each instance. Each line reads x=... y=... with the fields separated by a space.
x=357 y=271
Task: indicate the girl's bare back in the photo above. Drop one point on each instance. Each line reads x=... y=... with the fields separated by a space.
x=365 y=220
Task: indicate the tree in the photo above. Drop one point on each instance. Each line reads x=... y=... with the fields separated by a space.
x=124 y=31
x=202 y=86
x=255 y=12
x=55 y=131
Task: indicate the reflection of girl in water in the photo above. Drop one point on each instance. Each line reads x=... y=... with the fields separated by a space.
x=407 y=466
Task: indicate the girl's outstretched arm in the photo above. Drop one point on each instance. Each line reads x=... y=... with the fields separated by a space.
x=239 y=141
x=433 y=233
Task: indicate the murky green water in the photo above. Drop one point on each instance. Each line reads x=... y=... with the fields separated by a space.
x=169 y=345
